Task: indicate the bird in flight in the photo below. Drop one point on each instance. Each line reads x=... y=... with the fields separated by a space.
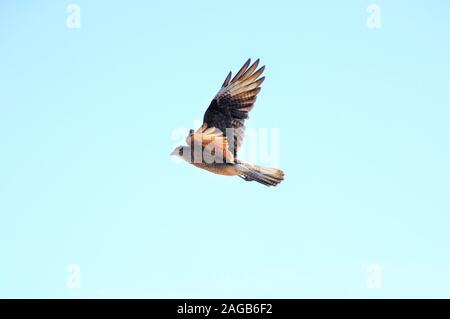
x=215 y=144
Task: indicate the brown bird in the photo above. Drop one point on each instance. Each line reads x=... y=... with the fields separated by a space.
x=215 y=144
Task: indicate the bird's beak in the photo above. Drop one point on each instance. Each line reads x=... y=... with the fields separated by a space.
x=174 y=152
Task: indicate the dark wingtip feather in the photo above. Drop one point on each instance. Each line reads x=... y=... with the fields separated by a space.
x=250 y=71
x=246 y=64
x=261 y=80
x=241 y=71
x=227 y=80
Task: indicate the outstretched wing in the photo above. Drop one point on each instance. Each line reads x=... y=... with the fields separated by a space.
x=211 y=144
x=229 y=108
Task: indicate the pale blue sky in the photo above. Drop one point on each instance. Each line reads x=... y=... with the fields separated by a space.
x=86 y=117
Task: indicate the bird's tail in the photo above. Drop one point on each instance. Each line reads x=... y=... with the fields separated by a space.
x=265 y=175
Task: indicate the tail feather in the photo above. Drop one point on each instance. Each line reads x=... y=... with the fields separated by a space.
x=265 y=175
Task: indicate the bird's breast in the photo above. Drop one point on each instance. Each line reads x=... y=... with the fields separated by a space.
x=219 y=168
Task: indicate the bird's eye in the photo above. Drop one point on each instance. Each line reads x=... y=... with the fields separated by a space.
x=180 y=152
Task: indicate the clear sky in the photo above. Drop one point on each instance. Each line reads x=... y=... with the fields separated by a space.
x=91 y=204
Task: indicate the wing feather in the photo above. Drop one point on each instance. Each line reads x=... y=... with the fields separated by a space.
x=241 y=71
x=235 y=99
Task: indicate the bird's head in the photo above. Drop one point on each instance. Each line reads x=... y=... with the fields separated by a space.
x=181 y=151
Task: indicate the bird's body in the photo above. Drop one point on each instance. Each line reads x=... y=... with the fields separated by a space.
x=214 y=146
x=219 y=168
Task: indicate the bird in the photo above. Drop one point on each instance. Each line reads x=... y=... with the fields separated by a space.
x=215 y=145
